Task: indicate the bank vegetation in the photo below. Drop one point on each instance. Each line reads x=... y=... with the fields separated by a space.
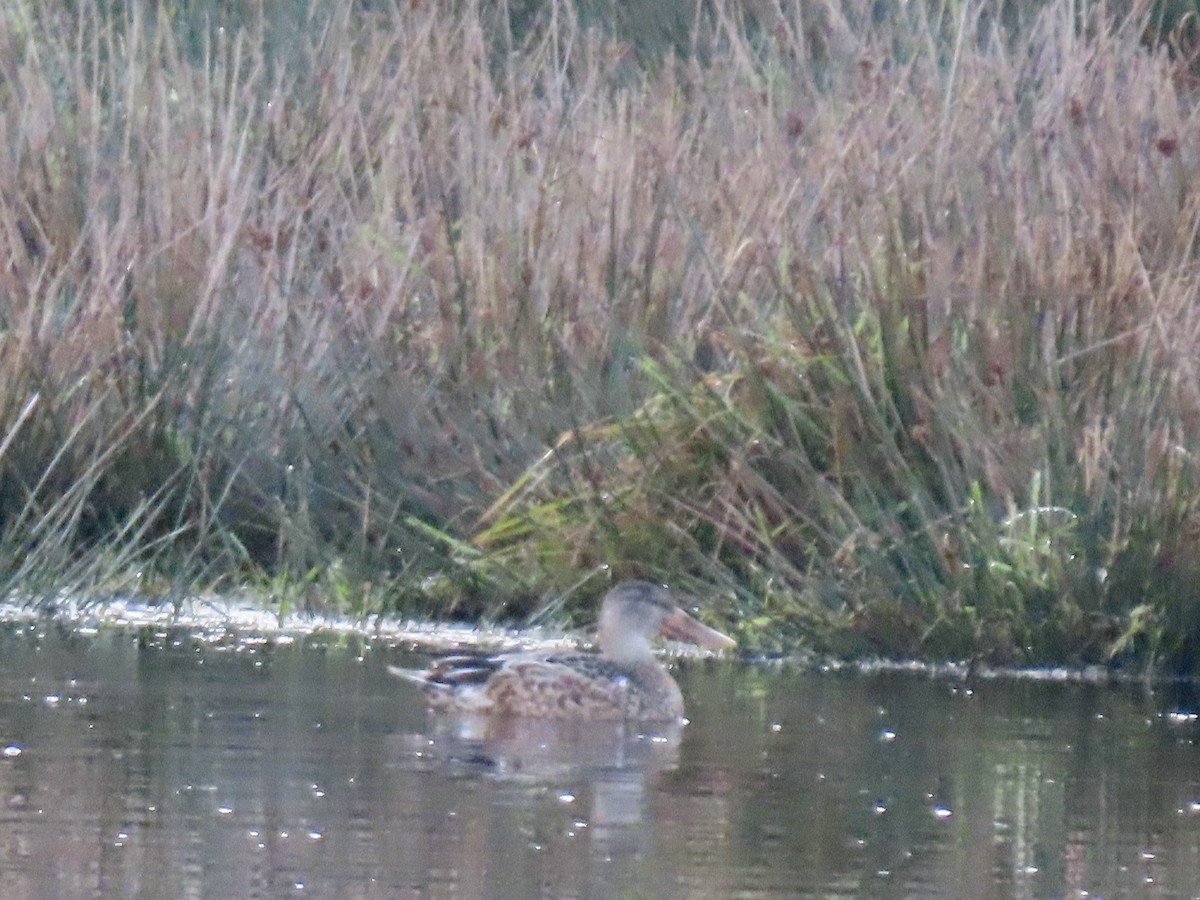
x=876 y=329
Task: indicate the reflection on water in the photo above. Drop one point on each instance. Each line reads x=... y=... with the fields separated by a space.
x=261 y=770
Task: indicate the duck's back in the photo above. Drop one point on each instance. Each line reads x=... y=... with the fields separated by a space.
x=559 y=686
x=582 y=686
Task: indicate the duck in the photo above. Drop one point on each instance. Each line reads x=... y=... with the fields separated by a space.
x=622 y=682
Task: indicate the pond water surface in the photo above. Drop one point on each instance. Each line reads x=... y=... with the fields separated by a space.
x=179 y=767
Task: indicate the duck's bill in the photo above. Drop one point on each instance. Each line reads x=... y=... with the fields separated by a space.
x=679 y=626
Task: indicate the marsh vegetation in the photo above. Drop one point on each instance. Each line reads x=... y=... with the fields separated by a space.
x=877 y=332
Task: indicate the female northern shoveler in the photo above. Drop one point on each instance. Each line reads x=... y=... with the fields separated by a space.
x=623 y=681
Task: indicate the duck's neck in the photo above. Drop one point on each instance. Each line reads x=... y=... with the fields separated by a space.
x=624 y=646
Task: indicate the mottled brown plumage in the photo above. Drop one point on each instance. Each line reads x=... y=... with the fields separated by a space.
x=623 y=681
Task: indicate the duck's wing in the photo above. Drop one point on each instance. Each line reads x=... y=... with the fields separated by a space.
x=569 y=686
x=525 y=684
x=466 y=669
x=453 y=671
x=454 y=683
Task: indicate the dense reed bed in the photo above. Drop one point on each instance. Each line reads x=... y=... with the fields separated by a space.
x=877 y=332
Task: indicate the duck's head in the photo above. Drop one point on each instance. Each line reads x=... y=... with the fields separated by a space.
x=634 y=612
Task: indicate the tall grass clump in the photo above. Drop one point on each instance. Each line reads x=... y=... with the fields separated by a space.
x=875 y=328
x=937 y=396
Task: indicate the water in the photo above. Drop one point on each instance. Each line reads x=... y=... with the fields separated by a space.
x=207 y=768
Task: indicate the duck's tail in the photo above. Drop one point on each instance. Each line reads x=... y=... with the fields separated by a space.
x=453 y=684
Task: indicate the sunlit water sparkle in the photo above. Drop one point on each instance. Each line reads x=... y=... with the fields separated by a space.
x=153 y=760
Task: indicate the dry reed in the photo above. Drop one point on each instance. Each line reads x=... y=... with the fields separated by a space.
x=883 y=329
